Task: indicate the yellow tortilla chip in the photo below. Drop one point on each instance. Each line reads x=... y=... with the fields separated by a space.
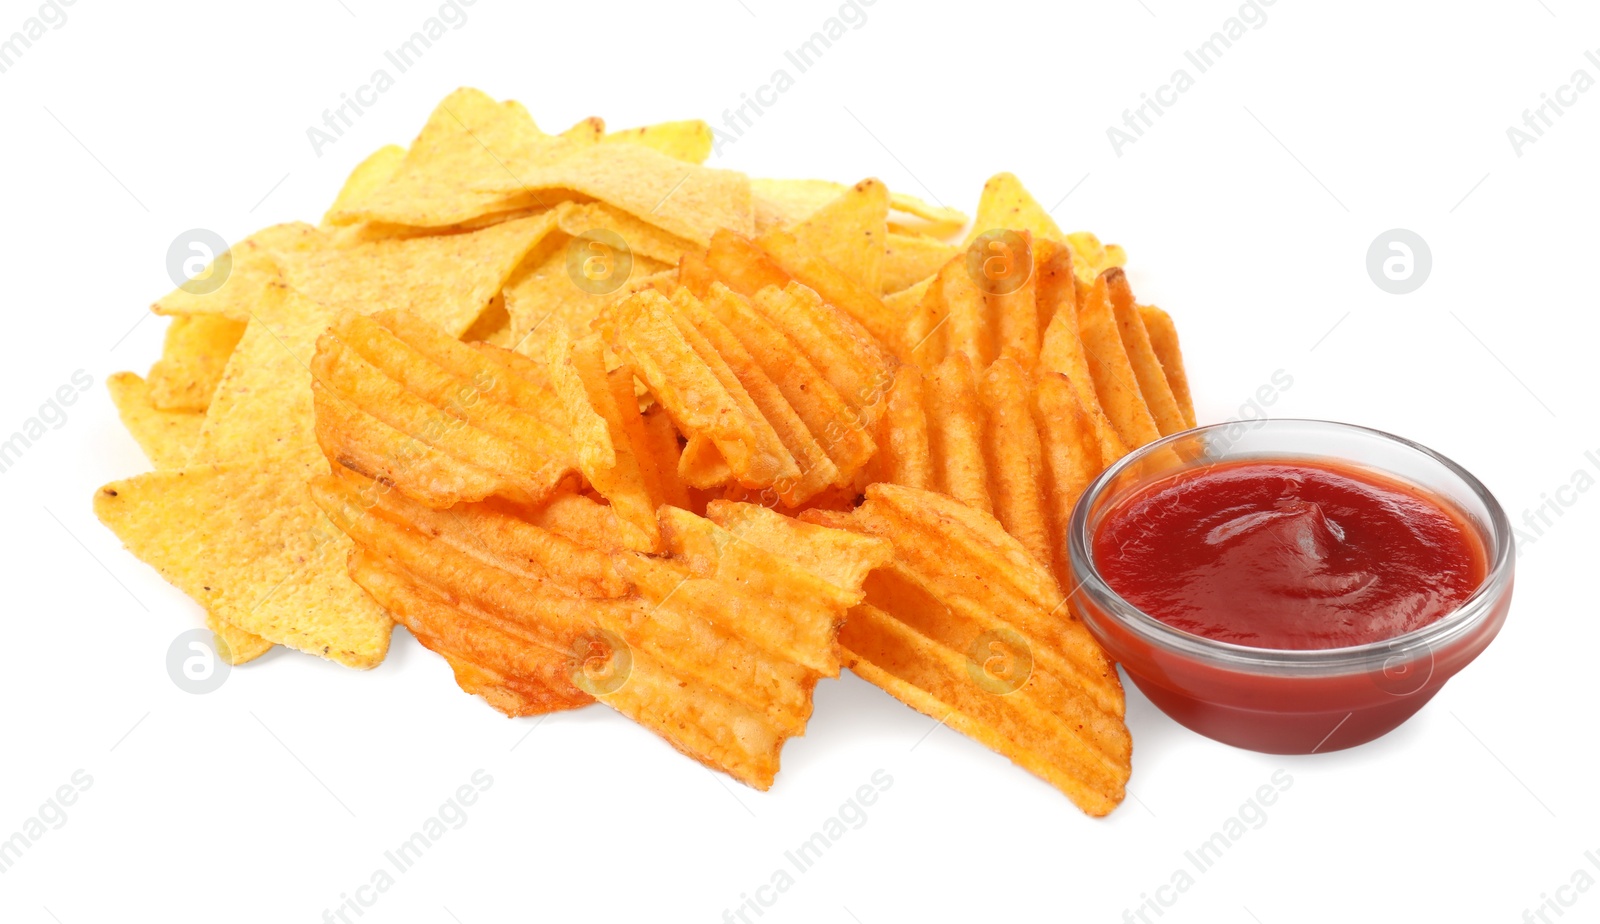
x=234 y=645
x=851 y=232
x=689 y=140
x=909 y=260
x=924 y=220
x=448 y=280
x=642 y=238
x=246 y=542
x=588 y=131
x=467 y=142
x=493 y=326
x=542 y=298
x=253 y=266
x=1006 y=204
x=905 y=302
x=687 y=200
x=191 y=363
x=1090 y=258
x=379 y=167
x=167 y=437
x=262 y=408
x=782 y=203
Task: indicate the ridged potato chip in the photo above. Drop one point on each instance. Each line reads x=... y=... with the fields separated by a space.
x=966 y=627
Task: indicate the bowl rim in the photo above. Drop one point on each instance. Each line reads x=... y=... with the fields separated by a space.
x=1382 y=654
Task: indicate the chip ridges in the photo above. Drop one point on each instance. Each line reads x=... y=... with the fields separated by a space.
x=435 y=418
x=772 y=392
x=715 y=644
x=960 y=594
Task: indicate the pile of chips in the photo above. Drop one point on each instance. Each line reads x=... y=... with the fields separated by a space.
x=597 y=422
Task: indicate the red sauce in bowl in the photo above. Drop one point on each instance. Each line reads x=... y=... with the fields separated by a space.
x=1289 y=554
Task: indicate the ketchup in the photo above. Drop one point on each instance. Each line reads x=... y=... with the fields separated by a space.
x=1289 y=554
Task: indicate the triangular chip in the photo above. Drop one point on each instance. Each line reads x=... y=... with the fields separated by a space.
x=447 y=280
x=465 y=145
x=369 y=175
x=1006 y=204
x=641 y=238
x=909 y=260
x=687 y=200
x=251 y=266
x=689 y=140
x=235 y=645
x=246 y=542
x=196 y=351
x=167 y=437
x=262 y=407
x=851 y=232
x=543 y=296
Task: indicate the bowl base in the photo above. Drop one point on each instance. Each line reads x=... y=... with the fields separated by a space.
x=1285 y=733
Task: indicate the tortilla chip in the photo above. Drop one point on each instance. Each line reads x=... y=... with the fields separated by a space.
x=918 y=218
x=1006 y=204
x=262 y=408
x=379 y=167
x=467 y=142
x=642 y=238
x=909 y=260
x=687 y=200
x=689 y=140
x=235 y=645
x=541 y=297
x=782 y=203
x=851 y=232
x=448 y=280
x=245 y=541
x=167 y=437
x=191 y=363
x=1090 y=258
x=588 y=131
x=253 y=266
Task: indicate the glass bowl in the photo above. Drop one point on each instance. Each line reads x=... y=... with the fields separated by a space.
x=1291 y=701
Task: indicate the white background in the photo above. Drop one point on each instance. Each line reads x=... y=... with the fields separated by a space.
x=1246 y=210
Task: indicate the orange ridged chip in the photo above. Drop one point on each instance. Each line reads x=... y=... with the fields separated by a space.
x=441 y=421
x=828 y=417
x=1164 y=341
x=1115 y=383
x=967 y=628
x=699 y=389
x=754 y=373
x=996 y=441
x=716 y=647
x=608 y=431
x=1147 y=369
x=851 y=297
